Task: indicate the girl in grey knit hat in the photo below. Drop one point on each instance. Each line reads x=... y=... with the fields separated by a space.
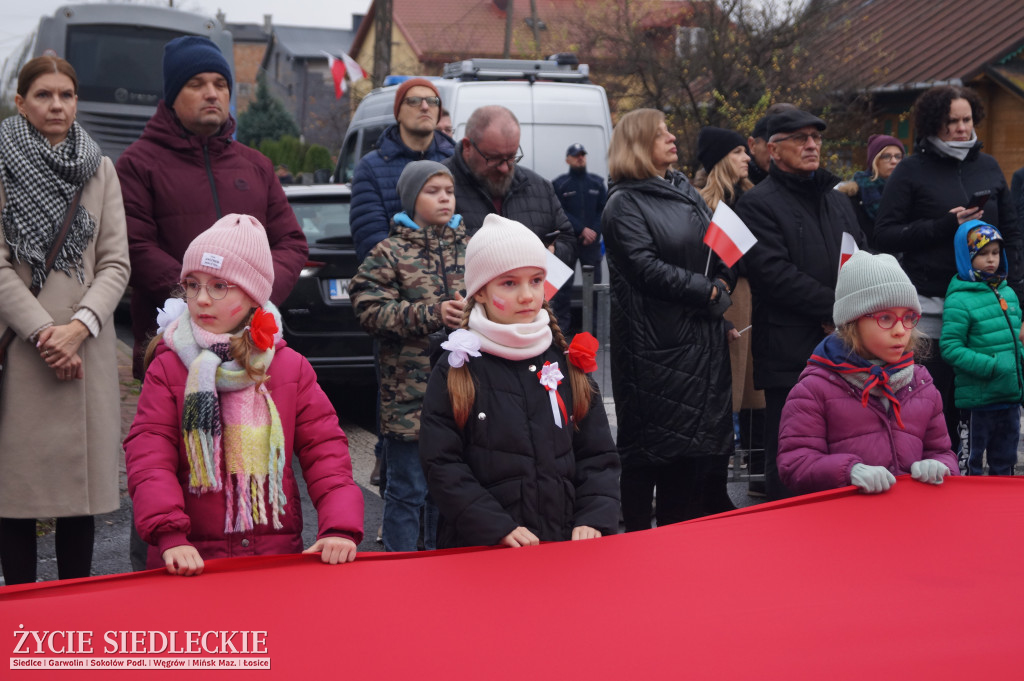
x=863 y=412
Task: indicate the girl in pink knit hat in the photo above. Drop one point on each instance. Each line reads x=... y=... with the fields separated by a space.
x=224 y=405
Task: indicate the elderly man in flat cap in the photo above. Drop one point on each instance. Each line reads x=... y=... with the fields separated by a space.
x=799 y=221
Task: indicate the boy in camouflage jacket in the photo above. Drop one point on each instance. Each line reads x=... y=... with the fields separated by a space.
x=407 y=292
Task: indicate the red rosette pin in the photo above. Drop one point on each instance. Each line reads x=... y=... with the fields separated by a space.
x=262 y=329
x=583 y=352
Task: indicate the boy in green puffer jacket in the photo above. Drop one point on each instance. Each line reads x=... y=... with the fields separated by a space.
x=981 y=339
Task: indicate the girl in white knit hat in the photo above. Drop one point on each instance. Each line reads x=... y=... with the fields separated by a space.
x=863 y=412
x=514 y=438
x=224 y=406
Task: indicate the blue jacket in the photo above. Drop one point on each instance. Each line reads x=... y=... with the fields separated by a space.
x=374 y=185
x=980 y=333
x=582 y=196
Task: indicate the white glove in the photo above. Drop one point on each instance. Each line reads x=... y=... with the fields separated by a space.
x=929 y=470
x=871 y=479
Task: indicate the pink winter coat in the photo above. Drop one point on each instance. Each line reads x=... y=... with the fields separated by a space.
x=825 y=431
x=168 y=515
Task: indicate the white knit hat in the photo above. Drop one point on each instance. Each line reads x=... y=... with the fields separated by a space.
x=498 y=246
x=869 y=283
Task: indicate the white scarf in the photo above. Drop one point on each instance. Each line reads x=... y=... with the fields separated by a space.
x=511 y=341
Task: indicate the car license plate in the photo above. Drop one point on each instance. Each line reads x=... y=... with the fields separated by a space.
x=339 y=289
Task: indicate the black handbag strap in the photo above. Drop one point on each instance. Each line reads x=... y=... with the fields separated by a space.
x=51 y=258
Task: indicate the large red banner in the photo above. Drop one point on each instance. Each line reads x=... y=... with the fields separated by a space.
x=919 y=582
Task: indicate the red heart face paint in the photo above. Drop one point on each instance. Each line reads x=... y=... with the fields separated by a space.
x=514 y=297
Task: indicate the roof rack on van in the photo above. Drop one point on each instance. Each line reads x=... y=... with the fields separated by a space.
x=557 y=67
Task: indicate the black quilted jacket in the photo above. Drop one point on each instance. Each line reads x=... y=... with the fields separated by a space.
x=670 y=361
x=511 y=465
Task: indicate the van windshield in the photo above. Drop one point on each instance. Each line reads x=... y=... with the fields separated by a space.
x=118 y=64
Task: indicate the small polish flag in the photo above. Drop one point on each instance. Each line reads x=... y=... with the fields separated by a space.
x=354 y=70
x=342 y=68
x=727 y=236
x=558 y=274
x=849 y=247
x=337 y=68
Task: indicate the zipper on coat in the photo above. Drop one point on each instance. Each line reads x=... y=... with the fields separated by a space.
x=1016 y=354
x=213 y=186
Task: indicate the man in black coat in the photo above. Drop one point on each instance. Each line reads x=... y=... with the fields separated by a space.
x=488 y=179
x=799 y=222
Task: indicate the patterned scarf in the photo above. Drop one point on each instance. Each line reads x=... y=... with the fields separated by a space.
x=832 y=354
x=870 y=192
x=40 y=181
x=228 y=418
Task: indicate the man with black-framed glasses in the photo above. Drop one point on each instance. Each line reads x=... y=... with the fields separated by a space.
x=799 y=221
x=412 y=138
x=489 y=179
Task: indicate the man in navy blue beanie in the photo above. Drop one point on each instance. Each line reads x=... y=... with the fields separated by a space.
x=197 y=83
x=183 y=174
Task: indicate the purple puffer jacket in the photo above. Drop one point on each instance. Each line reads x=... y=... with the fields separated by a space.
x=168 y=515
x=825 y=431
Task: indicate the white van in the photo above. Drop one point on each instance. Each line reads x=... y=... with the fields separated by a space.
x=555 y=106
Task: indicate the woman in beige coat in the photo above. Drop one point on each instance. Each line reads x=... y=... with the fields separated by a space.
x=59 y=404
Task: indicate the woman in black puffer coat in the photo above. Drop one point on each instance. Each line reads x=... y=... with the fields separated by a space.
x=670 y=360
x=925 y=201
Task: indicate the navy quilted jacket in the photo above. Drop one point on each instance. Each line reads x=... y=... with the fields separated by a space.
x=374 y=185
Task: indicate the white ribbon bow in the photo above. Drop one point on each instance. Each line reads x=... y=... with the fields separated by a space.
x=461 y=345
x=172 y=309
x=550 y=377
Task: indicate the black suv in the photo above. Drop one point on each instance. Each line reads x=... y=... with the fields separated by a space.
x=317 y=316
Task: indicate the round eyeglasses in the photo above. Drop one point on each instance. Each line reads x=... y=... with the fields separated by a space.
x=216 y=289
x=886 y=320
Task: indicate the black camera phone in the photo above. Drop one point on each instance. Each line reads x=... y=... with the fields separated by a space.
x=978 y=199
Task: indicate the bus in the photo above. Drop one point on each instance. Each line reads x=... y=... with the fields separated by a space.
x=117 y=51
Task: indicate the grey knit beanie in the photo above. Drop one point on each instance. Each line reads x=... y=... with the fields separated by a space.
x=868 y=283
x=412 y=179
x=498 y=246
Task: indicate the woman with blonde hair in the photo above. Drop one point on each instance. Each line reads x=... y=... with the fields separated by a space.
x=670 y=361
x=724 y=157
x=866 y=187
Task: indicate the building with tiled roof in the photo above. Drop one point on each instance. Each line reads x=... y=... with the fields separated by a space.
x=892 y=50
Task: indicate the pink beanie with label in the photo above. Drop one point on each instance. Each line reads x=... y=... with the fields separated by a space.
x=235 y=249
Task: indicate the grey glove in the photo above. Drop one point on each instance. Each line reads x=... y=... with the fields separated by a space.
x=929 y=470
x=871 y=479
x=721 y=303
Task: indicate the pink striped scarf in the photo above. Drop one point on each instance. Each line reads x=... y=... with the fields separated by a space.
x=230 y=426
